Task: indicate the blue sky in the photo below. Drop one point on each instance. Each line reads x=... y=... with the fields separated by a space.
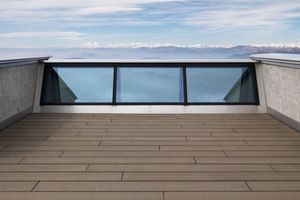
x=150 y=23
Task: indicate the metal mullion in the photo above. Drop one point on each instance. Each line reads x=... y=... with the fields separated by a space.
x=185 y=92
x=115 y=82
x=252 y=69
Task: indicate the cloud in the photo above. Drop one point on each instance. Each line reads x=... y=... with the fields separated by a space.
x=66 y=13
x=133 y=45
x=22 y=7
x=137 y=45
x=172 y=21
x=214 y=14
x=67 y=34
x=276 y=14
x=106 y=9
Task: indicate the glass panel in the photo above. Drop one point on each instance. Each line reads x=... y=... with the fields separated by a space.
x=149 y=85
x=220 y=84
x=78 y=85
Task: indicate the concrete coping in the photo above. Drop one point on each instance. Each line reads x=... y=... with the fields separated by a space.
x=15 y=62
x=179 y=61
x=282 y=60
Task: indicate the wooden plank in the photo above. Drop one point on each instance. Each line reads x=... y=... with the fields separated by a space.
x=39 y=138
x=50 y=143
x=121 y=138
x=106 y=160
x=262 y=153
x=198 y=130
x=273 y=130
x=42 y=168
x=81 y=148
x=10 y=160
x=16 y=186
x=53 y=126
x=60 y=176
x=246 y=160
x=129 y=148
x=274 y=185
x=39 y=134
x=144 y=134
x=256 y=134
x=281 y=143
x=172 y=143
x=30 y=154
x=237 y=127
x=141 y=186
x=244 y=138
x=178 y=167
x=229 y=148
x=144 y=154
x=284 y=167
x=81 y=195
x=209 y=176
x=231 y=195
x=129 y=127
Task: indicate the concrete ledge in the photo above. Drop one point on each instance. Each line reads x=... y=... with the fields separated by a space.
x=282 y=60
x=21 y=61
x=180 y=61
x=285 y=119
x=11 y=120
x=202 y=109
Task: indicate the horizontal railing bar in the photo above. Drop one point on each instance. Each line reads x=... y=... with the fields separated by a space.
x=179 y=61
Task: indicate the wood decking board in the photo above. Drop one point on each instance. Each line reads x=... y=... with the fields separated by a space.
x=142 y=186
x=232 y=195
x=178 y=167
x=151 y=157
x=82 y=195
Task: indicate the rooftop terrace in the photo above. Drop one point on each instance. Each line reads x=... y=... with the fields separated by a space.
x=157 y=157
x=181 y=130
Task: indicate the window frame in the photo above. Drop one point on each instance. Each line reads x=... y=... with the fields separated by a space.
x=183 y=66
x=250 y=66
x=151 y=65
x=69 y=65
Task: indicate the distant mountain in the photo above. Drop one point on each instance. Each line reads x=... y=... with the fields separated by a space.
x=159 y=52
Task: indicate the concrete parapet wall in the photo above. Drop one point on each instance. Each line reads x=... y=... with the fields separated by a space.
x=17 y=90
x=282 y=86
x=281 y=82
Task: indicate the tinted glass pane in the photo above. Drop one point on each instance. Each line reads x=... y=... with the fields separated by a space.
x=78 y=85
x=220 y=84
x=149 y=85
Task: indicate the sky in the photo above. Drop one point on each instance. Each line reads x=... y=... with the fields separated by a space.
x=148 y=23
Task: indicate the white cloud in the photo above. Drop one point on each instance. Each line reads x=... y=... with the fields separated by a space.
x=136 y=45
x=106 y=9
x=209 y=13
x=67 y=12
x=103 y=6
x=34 y=4
x=267 y=15
x=203 y=21
x=133 y=45
x=67 y=34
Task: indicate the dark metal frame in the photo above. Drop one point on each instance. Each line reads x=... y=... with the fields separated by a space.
x=183 y=66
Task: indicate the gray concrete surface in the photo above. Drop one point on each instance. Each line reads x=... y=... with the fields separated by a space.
x=17 y=90
x=281 y=82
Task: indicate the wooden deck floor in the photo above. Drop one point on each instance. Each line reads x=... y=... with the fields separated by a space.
x=149 y=157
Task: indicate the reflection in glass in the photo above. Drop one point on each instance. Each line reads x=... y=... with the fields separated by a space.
x=78 y=85
x=149 y=85
x=220 y=84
